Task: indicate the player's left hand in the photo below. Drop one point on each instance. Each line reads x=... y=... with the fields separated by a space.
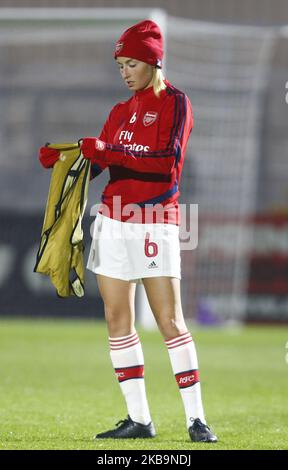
x=93 y=148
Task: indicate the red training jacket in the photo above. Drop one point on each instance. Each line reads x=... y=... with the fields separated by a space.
x=146 y=141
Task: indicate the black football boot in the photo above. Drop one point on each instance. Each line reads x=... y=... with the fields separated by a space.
x=128 y=429
x=200 y=432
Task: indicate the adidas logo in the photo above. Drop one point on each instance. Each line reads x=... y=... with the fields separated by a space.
x=153 y=265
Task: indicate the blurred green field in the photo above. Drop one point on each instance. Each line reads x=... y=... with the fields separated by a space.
x=58 y=389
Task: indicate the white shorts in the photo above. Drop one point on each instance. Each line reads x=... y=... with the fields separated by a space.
x=131 y=251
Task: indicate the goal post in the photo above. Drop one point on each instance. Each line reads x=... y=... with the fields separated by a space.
x=58 y=82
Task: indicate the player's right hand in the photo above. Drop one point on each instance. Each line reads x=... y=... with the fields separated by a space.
x=48 y=156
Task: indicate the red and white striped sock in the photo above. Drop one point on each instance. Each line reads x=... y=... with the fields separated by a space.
x=184 y=362
x=128 y=361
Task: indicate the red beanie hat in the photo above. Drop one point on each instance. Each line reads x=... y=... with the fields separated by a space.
x=143 y=41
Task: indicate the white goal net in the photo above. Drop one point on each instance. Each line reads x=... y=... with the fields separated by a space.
x=58 y=82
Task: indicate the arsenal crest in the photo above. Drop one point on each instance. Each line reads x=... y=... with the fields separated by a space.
x=118 y=47
x=149 y=118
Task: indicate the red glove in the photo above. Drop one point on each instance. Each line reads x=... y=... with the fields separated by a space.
x=93 y=149
x=48 y=156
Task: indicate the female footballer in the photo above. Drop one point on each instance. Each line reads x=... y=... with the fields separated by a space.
x=136 y=232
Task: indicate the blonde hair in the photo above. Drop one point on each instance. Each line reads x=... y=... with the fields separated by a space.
x=158 y=81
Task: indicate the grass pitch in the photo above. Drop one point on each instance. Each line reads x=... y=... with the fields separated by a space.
x=57 y=387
